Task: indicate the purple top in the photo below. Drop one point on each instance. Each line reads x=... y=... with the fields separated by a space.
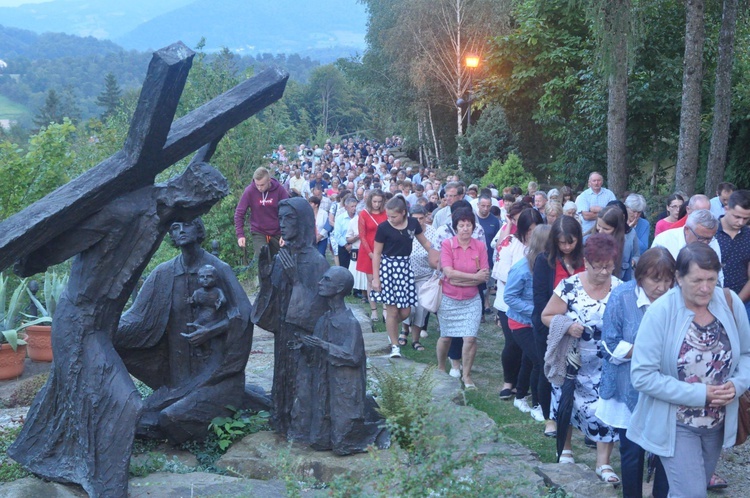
x=264 y=209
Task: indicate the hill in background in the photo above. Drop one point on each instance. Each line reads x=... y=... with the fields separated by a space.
x=323 y=30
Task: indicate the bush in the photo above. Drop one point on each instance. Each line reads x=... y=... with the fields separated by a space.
x=487 y=140
x=404 y=399
x=26 y=391
x=507 y=174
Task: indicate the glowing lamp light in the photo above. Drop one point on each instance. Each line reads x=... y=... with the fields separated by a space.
x=472 y=61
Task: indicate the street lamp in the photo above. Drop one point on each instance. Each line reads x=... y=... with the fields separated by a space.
x=472 y=62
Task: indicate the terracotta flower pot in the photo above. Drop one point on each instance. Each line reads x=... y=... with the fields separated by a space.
x=11 y=362
x=39 y=341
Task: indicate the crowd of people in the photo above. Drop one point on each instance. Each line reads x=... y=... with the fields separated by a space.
x=619 y=334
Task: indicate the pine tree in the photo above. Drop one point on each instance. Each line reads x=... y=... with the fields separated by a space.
x=51 y=111
x=109 y=99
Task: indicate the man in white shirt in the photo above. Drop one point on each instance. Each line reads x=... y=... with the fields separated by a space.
x=592 y=200
x=298 y=184
x=719 y=203
x=701 y=226
x=454 y=191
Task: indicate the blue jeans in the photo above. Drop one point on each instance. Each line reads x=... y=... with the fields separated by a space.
x=631 y=463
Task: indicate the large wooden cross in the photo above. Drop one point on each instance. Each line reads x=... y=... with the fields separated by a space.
x=154 y=143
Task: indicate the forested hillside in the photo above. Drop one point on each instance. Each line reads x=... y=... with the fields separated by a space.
x=75 y=67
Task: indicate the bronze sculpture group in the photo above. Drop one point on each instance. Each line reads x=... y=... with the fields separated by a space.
x=189 y=331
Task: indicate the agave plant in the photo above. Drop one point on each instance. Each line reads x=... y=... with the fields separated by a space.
x=54 y=285
x=10 y=312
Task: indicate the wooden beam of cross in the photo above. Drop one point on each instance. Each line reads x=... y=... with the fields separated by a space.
x=153 y=144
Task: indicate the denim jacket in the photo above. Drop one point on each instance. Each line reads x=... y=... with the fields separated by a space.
x=621 y=321
x=519 y=293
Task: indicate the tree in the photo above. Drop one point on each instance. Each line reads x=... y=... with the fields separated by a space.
x=617 y=32
x=717 y=155
x=507 y=174
x=109 y=99
x=692 y=81
x=488 y=139
x=51 y=111
x=446 y=31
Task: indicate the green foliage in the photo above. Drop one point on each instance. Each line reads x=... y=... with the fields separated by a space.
x=11 y=304
x=444 y=468
x=54 y=285
x=142 y=388
x=109 y=99
x=485 y=141
x=507 y=174
x=240 y=424
x=9 y=470
x=26 y=390
x=534 y=73
x=27 y=176
x=153 y=463
x=403 y=399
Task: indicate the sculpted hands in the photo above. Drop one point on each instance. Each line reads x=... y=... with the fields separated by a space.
x=265 y=263
x=199 y=336
x=312 y=341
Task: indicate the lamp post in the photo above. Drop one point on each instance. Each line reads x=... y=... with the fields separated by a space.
x=472 y=62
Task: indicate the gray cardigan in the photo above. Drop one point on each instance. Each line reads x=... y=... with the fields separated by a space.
x=654 y=369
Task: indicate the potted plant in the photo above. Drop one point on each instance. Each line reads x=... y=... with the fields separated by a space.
x=12 y=344
x=39 y=332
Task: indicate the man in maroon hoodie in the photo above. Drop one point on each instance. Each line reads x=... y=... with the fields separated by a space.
x=262 y=199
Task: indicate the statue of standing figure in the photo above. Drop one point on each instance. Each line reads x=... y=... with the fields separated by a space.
x=288 y=305
x=341 y=416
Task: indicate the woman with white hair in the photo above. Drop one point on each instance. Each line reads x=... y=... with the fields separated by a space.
x=636 y=205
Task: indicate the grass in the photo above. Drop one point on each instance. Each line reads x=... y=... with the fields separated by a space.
x=9 y=470
x=11 y=110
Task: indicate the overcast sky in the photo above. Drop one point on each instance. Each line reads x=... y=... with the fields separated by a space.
x=16 y=3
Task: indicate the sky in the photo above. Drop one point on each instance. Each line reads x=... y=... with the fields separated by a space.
x=16 y=3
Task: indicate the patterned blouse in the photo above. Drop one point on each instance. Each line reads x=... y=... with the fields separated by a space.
x=706 y=357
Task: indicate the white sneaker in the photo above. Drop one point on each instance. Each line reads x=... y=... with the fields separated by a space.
x=536 y=413
x=423 y=334
x=456 y=373
x=395 y=351
x=522 y=405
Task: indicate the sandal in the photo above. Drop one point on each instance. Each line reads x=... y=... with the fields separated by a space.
x=403 y=340
x=566 y=457
x=417 y=346
x=607 y=474
x=717 y=482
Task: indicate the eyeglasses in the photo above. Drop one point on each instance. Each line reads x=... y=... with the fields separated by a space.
x=601 y=269
x=705 y=240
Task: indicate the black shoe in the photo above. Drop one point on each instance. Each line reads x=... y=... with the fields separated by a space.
x=357 y=294
x=507 y=393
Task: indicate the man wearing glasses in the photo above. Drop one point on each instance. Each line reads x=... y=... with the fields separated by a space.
x=701 y=226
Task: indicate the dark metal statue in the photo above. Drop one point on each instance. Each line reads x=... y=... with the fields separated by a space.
x=80 y=427
x=288 y=305
x=338 y=415
x=195 y=365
